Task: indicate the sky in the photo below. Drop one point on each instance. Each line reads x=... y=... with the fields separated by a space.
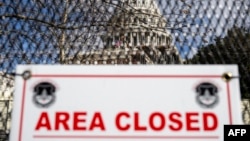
x=207 y=19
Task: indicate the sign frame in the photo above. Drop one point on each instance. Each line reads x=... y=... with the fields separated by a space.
x=121 y=76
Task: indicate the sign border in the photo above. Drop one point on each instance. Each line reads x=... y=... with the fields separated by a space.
x=121 y=76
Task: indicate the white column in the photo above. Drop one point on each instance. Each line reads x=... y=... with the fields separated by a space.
x=113 y=40
x=119 y=40
x=131 y=39
x=143 y=38
x=151 y=41
x=133 y=36
x=134 y=39
x=155 y=39
x=138 y=38
x=166 y=40
x=163 y=40
x=148 y=40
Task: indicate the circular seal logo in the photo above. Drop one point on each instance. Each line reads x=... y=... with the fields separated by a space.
x=207 y=94
x=44 y=94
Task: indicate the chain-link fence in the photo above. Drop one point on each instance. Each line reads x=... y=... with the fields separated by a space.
x=5 y=117
x=93 y=32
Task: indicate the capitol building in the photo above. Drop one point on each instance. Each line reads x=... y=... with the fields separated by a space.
x=135 y=34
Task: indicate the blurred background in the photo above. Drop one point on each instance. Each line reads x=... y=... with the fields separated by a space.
x=115 y=32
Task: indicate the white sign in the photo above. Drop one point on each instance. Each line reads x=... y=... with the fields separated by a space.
x=121 y=103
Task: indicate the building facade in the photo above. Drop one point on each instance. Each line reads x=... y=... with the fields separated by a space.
x=6 y=101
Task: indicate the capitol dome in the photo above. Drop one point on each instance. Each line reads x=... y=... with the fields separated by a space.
x=135 y=34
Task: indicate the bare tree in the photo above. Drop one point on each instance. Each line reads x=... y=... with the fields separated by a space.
x=47 y=30
x=46 y=27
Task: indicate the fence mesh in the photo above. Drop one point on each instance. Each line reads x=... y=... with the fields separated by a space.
x=93 y=32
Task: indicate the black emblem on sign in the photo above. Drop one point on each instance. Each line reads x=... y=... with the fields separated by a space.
x=44 y=94
x=207 y=94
